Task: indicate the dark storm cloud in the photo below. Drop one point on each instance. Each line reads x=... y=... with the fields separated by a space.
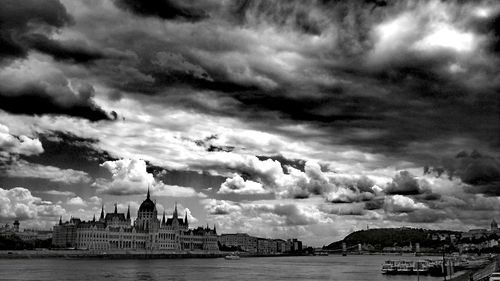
x=20 y=18
x=480 y=173
x=489 y=26
x=38 y=99
x=21 y=31
x=375 y=204
x=27 y=26
x=324 y=67
x=381 y=103
x=75 y=52
x=165 y=9
x=405 y=184
x=68 y=151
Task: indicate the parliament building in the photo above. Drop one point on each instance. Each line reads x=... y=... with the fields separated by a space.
x=115 y=231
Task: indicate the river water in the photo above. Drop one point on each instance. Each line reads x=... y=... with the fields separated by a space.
x=263 y=268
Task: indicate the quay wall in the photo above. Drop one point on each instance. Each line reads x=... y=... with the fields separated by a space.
x=82 y=254
x=481 y=274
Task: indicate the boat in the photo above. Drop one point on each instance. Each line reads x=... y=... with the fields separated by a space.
x=390 y=267
x=406 y=267
x=421 y=267
x=232 y=256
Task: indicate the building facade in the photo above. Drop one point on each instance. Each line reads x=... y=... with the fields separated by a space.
x=260 y=246
x=115 y=231
x=243 y=241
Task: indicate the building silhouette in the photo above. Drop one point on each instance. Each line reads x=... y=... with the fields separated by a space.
x=115 y=231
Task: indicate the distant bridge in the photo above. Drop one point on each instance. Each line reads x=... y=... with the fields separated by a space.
x=343 y=250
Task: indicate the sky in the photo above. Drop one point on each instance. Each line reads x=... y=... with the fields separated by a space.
x=280 y=119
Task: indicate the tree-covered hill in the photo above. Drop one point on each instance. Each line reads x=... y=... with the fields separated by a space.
x=391 y=237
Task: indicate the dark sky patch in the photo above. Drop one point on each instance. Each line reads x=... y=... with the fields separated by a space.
x=74 y=52
x=19 y=18
x=68 y=151
x=165 y=9
x=33 y=100
x=480 y=173
x=374 y=204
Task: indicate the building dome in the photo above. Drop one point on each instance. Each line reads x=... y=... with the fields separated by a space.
x=147 y=206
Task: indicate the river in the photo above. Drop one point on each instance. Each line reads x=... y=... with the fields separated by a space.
x=340 y=268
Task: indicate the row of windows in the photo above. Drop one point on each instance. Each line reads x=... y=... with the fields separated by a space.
x=167 y=245
x=127 y=244
x=94 y=246
x=170 y=236
x=93 y=234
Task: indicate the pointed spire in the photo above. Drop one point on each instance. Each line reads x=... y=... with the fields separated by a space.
x=60 y=220
x=147 y=196
x=128 y=212
x=93 y=220
x=175 y=211
x=102 y=212
x=215 y=230
x=163 y=220
x=207 y=226
x=186 y=218
x=116 y=209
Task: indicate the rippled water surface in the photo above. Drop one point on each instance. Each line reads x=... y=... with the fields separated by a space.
x=268 y=268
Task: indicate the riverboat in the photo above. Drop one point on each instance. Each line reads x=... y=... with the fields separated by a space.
x=406 y=267
x=232 y=256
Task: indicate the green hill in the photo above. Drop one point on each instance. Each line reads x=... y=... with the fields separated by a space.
x=391 y=237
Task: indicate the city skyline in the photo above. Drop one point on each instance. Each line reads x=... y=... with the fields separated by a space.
x=280 y=119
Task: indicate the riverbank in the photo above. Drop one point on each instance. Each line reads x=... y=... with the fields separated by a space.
x=83 y=254
x=478 y=274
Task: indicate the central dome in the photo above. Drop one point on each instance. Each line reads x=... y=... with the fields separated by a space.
x=147 y=205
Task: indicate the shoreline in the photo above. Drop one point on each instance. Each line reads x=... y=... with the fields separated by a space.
x=85 y=254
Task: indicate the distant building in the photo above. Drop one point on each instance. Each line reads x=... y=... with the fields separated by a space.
x=26 y=234
x=64 y=234
x=296 y=245
x=261 y=246
x=244 y=241
x=476 y=233
x=115 y=231
x=7 y=231
x=480 y=238
x=281 y=246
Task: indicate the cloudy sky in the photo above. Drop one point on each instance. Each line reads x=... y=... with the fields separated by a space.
x=305 y=119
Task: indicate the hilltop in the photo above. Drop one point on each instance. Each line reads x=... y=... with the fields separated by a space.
x=396 y=237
